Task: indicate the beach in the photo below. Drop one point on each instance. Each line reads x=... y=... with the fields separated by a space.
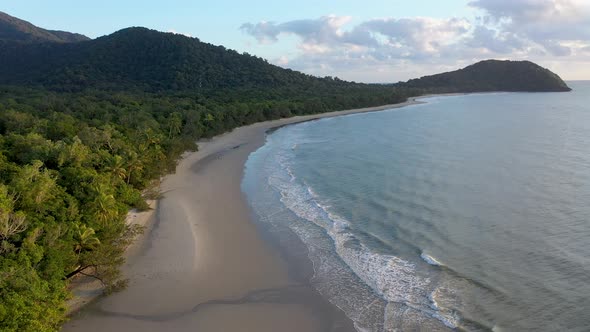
x=203 y=264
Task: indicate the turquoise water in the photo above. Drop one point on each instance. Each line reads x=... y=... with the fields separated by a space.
x=468 y=212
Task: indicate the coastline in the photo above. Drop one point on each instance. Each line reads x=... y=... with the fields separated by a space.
x=202 y=252
x=86 y=289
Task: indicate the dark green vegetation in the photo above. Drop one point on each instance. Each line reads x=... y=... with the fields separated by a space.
x=492 y=75
x=14 y=29
x=86 y=126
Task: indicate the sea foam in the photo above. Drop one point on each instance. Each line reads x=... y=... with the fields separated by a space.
x=430 y=260
x=392 y=278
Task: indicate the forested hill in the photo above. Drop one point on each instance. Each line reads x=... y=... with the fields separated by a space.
x=17 y=30
x=491 y=75
x=146 y=60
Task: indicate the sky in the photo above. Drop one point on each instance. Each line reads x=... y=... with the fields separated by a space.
x=362 y=40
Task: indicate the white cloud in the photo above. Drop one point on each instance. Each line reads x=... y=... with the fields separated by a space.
x=541 y=30
x=419 y=35
x=282 y=61
x=315 y=34
x=179 y=33
x=494 y=41
x=407 y=38
x=549 y=24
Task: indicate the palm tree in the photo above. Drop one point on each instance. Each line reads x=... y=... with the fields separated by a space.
x=85 y=238
x=117 y=167
x=133 y=164
x=174 y=124
x=105 y=208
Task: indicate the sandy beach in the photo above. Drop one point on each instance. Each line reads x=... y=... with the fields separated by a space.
x=203 y=265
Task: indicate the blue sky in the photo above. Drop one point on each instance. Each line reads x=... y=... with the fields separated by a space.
x=370 y=40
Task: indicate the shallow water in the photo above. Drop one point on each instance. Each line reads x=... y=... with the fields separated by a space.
x=467 y=212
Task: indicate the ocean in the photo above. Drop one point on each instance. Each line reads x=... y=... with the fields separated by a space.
x=466 y=212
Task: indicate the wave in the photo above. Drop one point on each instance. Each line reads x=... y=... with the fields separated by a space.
x=394 y=279
x=430 y=260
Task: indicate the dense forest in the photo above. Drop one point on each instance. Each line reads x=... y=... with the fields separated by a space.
x=86 y=127
x=72 y=165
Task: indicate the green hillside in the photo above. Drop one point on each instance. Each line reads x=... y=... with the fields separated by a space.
x=15 y=29
x=492 y=75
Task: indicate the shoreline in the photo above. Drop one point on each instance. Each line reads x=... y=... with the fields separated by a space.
x=86 y=289
x=203 y=252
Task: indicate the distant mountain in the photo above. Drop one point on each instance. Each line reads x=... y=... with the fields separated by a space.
x=492 y=75
x=17 y=30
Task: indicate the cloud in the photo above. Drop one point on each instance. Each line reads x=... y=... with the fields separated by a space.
x=495 y=41
x=317 y=35
x=549 y=24
x=179 y=33
x=406 y=37
x=420 y=36
x=317 y=31
x=533 y=10
x=523 y=29
x=329 y=45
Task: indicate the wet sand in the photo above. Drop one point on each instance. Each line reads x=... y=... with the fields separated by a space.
x=203 y=264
